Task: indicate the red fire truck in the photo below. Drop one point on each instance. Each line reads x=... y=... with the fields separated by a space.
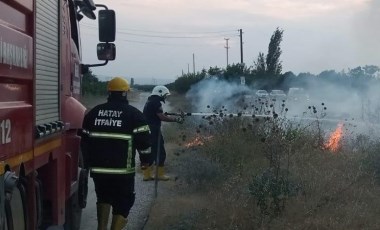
x=42 y=184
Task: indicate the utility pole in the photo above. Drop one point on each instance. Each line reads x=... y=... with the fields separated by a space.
x=188 y=68
x=241 y=46
x=193 y=64
x=227 y=47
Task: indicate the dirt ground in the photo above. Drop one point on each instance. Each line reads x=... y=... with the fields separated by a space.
x=176 y=206
x=169 y=203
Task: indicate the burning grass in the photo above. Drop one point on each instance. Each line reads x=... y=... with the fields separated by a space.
x=251 y=173
x=335 y=140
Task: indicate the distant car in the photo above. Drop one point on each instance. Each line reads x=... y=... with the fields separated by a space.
x=262 y=93
x=297 y=94
x=277 y=94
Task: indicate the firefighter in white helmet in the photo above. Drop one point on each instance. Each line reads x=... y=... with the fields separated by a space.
x=113 y=131
x=154 y=115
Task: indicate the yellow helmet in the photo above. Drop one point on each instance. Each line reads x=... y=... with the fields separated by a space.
x=118 y=84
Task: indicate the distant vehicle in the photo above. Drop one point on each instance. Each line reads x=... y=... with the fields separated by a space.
x=262 y=93
x=297 y=94
x=277 y=94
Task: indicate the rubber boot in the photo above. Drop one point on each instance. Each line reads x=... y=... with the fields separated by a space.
x=118 y=222
x=161 y=174
x=103 y=212
x=147 y=173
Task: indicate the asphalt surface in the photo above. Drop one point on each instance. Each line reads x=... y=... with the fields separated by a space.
x=144 y=194
x=139 y=212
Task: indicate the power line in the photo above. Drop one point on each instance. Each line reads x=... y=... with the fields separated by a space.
x=149 y=42
x=179 y=32
x=171 y=37
x=93 y=28
x=158 y=36
x=166 y=32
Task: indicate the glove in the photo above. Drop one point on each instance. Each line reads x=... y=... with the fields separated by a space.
x=179 y=120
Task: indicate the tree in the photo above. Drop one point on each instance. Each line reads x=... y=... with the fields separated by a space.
x=259 y=65
x=274 y=66
x=215 y=71
x=235 y=71
x=92 y=85
x=267 y=69
x=182 y=84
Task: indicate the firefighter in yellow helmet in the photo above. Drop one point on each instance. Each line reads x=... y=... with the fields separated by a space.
x=113 y=131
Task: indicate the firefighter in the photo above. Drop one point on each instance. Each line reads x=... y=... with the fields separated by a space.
x=154 y=115
x=113 y=131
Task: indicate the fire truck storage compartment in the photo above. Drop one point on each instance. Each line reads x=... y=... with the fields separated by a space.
x=47 y=61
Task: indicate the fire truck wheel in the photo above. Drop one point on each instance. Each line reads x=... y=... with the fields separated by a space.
x=73 y=213
x=15 y=207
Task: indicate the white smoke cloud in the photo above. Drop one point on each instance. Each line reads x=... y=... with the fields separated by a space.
x=215 y=94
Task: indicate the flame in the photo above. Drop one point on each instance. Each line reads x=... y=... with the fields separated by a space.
x=334 y=142
x=197 y=141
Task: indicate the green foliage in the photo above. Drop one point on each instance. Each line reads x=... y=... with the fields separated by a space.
x=259 y=65
x=274 y=66
x=235 y=71
x=92 y=86
x=267 y=69
x=215 y=71
x=271 y=191
x=183 y=83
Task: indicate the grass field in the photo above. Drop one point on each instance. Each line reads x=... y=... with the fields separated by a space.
x=235 y=173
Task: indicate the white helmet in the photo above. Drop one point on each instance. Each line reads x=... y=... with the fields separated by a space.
x=161 y=91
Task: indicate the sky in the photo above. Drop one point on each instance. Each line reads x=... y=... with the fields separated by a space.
x=158 y=40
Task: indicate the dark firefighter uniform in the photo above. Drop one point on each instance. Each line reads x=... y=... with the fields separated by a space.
x=154 y=115
x=112 y=133
x=151 y=108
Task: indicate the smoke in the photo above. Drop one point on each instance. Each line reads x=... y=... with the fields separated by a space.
x=215 y=94
x=329 y=102
x=340 y=102
x=346 y=103
x=357 y=107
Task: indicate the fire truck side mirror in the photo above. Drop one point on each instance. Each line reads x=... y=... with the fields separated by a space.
x=107 y=25
x=106 y=51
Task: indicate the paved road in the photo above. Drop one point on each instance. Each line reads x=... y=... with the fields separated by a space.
x=139 y=212
x=144 y=195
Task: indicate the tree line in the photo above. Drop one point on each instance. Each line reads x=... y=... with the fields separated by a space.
x=265 y=73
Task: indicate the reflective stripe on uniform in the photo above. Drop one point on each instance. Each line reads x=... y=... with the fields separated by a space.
x=119 y=136
x=112 y=170
x=145 y=151
x=141 y=129
x=110 y=135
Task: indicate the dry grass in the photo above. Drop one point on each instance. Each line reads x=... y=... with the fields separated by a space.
x=267 y=174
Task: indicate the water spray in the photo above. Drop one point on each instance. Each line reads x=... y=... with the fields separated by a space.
x=185 y=114
x=275 y=115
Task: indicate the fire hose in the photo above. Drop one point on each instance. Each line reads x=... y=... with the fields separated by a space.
x=204 y=114
x=185 y=114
